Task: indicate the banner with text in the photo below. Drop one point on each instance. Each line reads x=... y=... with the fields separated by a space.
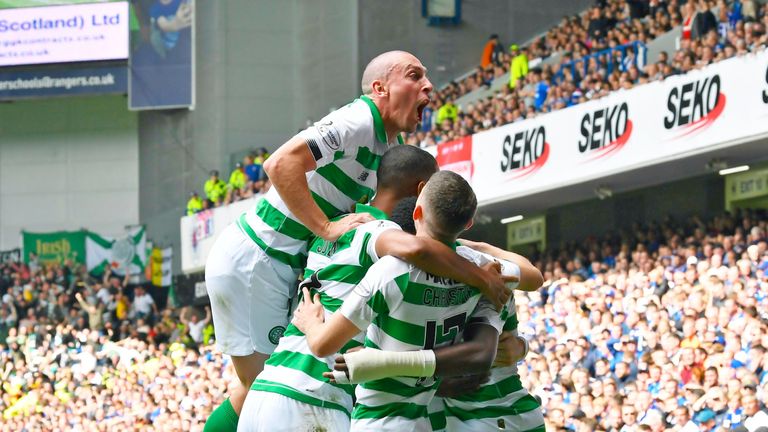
x=723 y=105
x=67 y=33
x=63 y=82
x=54 y=247
x=199 y=232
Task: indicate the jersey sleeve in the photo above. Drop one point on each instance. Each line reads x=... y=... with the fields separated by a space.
x=508 y=268
x=486 y=314
x=373 y=230
x=369 y=298
x=336 y=132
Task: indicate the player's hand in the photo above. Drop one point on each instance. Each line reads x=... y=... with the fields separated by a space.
x=309 y=313
x=509 y=351
x=495 y=288
x=339 y=365
x=454 y=387
x=334 y=230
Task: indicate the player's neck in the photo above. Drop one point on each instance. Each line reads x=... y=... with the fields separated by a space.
x=385 y=202
x=429 y=232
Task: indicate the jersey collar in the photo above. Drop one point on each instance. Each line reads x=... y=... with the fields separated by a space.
x=378 y=123
x=376 y=213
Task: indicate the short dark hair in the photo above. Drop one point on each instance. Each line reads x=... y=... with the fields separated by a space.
x=402 y=214
x=403 y=167
x=451 y=201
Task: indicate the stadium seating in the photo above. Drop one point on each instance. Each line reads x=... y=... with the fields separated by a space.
x=615 y=45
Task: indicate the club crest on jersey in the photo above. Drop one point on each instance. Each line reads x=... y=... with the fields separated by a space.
x=275 y=334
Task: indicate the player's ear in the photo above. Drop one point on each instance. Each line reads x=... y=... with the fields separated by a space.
x=418 y=212
x=379 y=88
x=420 y=187
x=469 y=224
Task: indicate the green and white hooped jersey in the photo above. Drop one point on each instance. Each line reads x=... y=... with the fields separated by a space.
x=503 y=395
x=347 y=145
x=333 y=270
x=407 y=309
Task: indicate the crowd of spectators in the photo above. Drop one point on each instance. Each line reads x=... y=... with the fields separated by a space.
x=710 y=31
x=653 y=328
x=246 y=180
x=83 y=353
x=661 y=327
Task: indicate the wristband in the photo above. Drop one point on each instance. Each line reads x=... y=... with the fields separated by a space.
x=527 y=347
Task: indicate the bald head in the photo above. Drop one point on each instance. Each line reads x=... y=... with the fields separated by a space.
x=382 y=65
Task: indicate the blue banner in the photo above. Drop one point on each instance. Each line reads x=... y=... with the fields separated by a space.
x=63 y=82
x=161 y=59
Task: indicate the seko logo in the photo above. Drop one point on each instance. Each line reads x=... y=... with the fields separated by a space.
x=694 y=106
x=524 y=153
x=605 y=131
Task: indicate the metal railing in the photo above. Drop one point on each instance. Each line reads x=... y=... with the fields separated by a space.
x=607 y=59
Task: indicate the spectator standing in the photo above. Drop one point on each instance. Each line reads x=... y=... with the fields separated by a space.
x=195 y=324
x=704 y=21
x=143 y=305
x=492 y=52
x=448 y=111
x=518 y=67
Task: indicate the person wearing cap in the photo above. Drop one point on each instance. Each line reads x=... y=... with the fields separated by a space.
x=518 y=67
x=215 y=188
x=195 y=204
x=705 y=419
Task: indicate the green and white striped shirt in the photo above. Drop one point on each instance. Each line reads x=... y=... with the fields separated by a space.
x=347 y=145
x=333 y=270
x=503 y=395
x=408 y=309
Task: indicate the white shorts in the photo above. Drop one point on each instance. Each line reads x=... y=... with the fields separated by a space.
x=250 y=294
x=272 y=412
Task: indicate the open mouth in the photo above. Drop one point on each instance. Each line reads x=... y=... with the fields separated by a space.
x=420 y=108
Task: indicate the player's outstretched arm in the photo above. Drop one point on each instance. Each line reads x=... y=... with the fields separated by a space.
x=323 y=338
x=435 y=257
x=287 y=169
x=474 y=355
x=530 y=277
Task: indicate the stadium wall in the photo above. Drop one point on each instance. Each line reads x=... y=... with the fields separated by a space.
x=703 y=196
x=451 y=51
x=263 y=69
x=68 y=163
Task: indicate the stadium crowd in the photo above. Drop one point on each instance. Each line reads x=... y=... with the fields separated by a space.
x=247 y=179
x=549 y=73
x=648 y=329
x=654 y=327
x=80 y=353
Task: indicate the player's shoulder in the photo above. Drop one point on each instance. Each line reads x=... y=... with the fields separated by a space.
x=389 y=267
x=354 y=114
x=376 y=226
